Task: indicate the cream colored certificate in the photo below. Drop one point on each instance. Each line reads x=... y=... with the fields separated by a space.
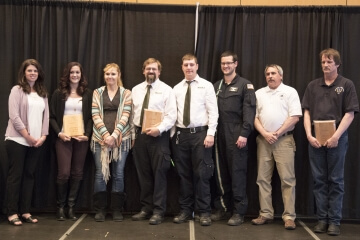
x=152 y=118
x=73 y=125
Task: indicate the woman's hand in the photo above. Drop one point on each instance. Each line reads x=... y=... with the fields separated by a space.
x=81 y=138
x=64 y=137
x=109 y=141
x=40 y=141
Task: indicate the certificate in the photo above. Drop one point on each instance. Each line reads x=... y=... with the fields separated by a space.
x=73 y=125
x=324 y=129
x=152 y=118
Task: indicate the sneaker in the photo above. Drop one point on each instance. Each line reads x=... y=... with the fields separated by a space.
x=261 y=220
x=290 y=224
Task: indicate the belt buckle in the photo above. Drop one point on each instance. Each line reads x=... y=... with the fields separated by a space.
x=192 y=130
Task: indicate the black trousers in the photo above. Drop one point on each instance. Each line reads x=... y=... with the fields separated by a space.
x=152 y=161
x=21 y=176
x=195 y=167
x=231 y=169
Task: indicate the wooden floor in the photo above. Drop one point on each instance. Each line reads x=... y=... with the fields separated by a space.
x=86 y=228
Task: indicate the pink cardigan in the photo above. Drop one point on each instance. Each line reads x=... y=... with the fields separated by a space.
x=18 y=111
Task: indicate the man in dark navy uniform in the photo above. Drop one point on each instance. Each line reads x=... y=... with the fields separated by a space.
x=237 y=107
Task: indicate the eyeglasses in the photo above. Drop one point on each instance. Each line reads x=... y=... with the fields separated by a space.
x=226 y=63
x=149 y=69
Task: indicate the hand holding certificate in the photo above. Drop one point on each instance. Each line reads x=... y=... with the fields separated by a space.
x=73 y=125
x=324 y=129
x=152 y=118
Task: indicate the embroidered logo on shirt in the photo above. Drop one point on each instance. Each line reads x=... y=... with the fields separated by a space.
x=233 y=89
x=250 y=86
x=339 y=90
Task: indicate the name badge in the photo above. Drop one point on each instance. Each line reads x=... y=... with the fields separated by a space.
x=233 y=89
x=158 y=92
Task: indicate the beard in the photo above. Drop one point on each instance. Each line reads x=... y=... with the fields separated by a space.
x=150 y=77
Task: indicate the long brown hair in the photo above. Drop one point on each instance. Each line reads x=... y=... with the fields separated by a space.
x=39 y=86
x=64 y=84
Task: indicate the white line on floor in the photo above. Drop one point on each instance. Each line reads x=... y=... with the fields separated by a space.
x=308 y=230
x=73 y=227
x=192 y=230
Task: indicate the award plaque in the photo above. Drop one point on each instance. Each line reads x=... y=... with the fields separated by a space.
x=152 y=118
x=73 y=125
x=324 y=129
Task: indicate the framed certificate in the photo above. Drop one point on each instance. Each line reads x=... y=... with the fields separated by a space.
x=324 y=129
x=73 y=125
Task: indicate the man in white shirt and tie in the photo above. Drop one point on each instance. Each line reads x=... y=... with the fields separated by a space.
x=151 y=149
x=197 y=116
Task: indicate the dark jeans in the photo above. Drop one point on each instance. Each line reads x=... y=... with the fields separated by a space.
x=152 y=161
x=195 y=167
x=327 y=167
x=21 y=176
x=71 y=158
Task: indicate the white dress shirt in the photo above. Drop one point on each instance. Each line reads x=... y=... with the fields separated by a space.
x=203 y=105
x=161 y=99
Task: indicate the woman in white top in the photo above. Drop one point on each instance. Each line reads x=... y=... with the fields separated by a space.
x=25 y=134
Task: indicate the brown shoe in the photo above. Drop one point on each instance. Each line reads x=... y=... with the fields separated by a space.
x=290 y=224
x=261 y=220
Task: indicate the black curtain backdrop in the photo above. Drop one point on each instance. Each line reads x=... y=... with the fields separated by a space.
x=94 y=33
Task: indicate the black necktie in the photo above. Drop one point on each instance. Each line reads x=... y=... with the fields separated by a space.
x=145 y=104
x=186 y=116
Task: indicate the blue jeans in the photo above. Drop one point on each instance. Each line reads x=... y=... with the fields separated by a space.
x=327 y=166
x=117 y=171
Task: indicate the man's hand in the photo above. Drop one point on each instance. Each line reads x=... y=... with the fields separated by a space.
x=153 y=131
x=209 y=141
x=241 y=142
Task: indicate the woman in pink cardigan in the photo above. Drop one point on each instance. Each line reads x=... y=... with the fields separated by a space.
x=25 y=134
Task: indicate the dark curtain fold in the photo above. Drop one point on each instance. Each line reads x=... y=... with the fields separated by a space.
x=96 y=33
x=293 y=38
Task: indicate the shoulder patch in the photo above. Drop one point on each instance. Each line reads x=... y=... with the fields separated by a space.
x=250 y=86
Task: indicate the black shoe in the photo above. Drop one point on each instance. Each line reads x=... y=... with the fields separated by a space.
x=205 y=220
x=236 y=220
x=100 y=216
x=182 y=217
x=156 y=219
x=60 y=214
x=333 y=230
x=117 y=216
x=218 y=215
x=72 y=215
x=320 y=227
x=142 y=215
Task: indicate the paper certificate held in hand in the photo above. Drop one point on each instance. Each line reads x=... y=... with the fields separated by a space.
x=152 y=118
x=73 y=125
x=324 y=129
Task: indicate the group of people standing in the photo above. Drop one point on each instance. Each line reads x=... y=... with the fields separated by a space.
x=203 y=132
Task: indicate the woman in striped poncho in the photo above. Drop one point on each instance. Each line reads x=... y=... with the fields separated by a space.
x=111 y=141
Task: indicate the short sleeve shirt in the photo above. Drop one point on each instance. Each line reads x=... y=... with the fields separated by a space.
x=330 y=102
x=274 y=106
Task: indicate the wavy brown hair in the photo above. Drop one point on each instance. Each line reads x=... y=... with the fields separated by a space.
x=64 y=84
x=39 y=86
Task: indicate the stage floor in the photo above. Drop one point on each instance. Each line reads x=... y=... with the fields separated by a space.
x=86 y=228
